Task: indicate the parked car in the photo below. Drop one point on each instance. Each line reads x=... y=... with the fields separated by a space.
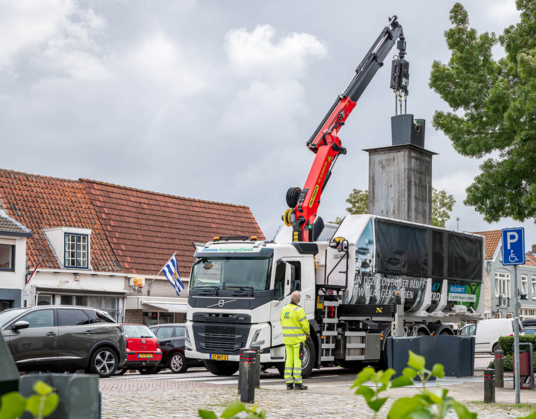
x=488 y=332
x=171 y=338
x=63 y=338
x=143 y=350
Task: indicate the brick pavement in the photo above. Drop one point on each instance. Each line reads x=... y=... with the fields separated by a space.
x=129 y=386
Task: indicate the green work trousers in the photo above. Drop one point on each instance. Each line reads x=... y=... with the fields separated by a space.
x=293 y=363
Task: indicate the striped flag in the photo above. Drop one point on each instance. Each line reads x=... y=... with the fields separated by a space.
x=172 y=274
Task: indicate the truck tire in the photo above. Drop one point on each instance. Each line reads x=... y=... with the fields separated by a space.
x=309 y=357
x=221 y=367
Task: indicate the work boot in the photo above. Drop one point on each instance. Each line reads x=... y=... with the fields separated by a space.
x=300 y=386
x=290 y=386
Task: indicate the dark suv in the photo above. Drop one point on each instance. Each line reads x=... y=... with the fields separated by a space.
x=63 y=338
x=171 y=338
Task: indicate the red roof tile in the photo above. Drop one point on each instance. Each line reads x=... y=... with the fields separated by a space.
x=40 y=202
x=145 y=228
x=493 y=237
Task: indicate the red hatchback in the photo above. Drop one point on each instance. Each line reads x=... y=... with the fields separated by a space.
x=143 y=350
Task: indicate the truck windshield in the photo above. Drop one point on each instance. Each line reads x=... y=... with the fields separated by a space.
x=232 y=273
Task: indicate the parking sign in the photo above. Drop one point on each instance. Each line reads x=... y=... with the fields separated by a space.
x=513 y=246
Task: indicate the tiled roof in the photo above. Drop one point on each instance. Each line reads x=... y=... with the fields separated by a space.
x=10 y=226
x=145 y=228
x=530 y=258
x=42 y=202
x=493 y=237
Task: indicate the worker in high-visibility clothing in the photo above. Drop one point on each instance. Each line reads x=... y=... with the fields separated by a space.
x=295 y=332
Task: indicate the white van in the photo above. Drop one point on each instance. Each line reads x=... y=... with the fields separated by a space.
x=488 y=332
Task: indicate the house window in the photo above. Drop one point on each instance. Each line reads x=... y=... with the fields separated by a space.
x=497 y=316
x=529 y=313
x=502 y=284
x=533 y=282
x=7 y=257
x=524 y=284
x=509 y=315
x=76 y=251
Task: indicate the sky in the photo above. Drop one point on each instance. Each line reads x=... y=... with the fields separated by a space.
x=215 y=100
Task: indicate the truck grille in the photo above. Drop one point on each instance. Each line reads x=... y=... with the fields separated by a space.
x=222 y=338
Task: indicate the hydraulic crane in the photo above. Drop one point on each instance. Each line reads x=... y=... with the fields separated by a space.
x=325 y=143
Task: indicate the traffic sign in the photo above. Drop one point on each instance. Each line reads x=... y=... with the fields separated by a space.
x=513 y=246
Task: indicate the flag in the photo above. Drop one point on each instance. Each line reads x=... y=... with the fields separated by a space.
x=26 y=291
x=172 y=274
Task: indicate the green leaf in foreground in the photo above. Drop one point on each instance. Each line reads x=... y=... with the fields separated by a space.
x=410 y=373
x=42 y=388
x=438 y=371
x=531 y=416
x=51 y=402
x=34 y=405
x=401 y=381
x=207 y=414
x=363 y=376
x=377 y=404
x=403 y=407
x=366 y=392
x=416 y=361
x=13 y=405
x=233 y=409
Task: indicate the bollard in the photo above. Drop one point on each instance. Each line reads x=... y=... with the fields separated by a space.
x=499 y=369
x=489 y=386
x=240 y=368
x=247 y=383
x=257 y=350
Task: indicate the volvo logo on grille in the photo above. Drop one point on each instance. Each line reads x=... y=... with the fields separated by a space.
x=221 y=303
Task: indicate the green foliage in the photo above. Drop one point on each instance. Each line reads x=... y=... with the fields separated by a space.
x=442 y=205
x=358 y=201
x=493 y=111
x=508 y=363
x=426 y=404
x=40 y=405
x=232 y=410
x=531 y=416
x=507 y=342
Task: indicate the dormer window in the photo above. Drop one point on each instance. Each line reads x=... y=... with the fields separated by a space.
x=76 y=254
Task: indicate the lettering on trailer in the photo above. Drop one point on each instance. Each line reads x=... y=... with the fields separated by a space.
x=457 y=293
x=388 y=287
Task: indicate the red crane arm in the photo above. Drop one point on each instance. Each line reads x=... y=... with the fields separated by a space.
x=325 y=142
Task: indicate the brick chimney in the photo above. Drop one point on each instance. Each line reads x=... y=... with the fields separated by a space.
x=534 y=249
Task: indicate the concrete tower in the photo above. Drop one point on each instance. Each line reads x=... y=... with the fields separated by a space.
x=400 y=176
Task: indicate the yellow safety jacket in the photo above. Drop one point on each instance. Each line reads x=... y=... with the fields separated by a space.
x=294 y=323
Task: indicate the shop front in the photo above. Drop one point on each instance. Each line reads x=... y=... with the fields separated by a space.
x=155 y=310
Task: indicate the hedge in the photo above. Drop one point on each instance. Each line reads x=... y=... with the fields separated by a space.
x=509 y=363
x=507 y=343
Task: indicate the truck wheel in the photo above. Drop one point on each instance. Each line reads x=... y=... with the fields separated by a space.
x=221 y=367
x=309 y=357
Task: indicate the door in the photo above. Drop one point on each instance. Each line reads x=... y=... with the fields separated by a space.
x=165 y=337
x=36 y=347
x=284 y=273
x=77 y=335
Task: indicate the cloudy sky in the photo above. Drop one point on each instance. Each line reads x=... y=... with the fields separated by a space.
x=215 y=99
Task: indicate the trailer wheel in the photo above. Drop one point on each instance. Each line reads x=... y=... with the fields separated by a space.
x=221 y=367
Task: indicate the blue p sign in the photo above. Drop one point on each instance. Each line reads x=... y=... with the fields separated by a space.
x=513 y=246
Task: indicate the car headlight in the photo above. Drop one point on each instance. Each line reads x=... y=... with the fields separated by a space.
x=187 y=341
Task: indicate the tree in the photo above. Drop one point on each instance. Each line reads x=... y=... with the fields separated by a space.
x=442 y=205
x=493 y=111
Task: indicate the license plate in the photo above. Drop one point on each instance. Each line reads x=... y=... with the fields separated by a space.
x=145 y=355
x=220 y=357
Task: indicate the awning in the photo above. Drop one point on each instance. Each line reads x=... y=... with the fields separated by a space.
x=170 y=308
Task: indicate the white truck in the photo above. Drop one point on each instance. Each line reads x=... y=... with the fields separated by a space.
x=362 y=281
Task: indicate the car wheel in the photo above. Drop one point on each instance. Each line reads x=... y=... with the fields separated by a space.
x=120 y=371
x=177 y=363
x=103 y=362
x=148 y=370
